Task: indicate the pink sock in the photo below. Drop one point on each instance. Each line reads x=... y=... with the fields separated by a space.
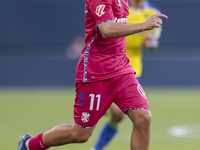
x=36 y=143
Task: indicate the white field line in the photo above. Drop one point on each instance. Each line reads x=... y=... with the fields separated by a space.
x=185 y=131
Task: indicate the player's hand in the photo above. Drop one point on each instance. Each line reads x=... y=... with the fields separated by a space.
x=154 y=21
x=150 y=43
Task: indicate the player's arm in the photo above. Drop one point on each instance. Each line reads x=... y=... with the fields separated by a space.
x=111 y=29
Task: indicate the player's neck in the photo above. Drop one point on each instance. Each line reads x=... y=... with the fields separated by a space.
x=136 y=4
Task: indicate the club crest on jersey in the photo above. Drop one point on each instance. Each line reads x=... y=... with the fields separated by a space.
x=100 y=10
x=85 y=117
x=141 y=91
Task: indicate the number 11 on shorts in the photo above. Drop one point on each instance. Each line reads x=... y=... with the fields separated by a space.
x=98 y=96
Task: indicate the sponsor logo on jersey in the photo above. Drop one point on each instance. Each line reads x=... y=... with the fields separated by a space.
x=85 y=117
x=100 y=10
x=141 y=91
x=120 y=20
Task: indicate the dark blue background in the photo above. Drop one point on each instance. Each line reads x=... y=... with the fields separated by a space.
x=34 y=35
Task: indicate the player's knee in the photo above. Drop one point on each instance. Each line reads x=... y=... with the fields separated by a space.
x=116 y=113
x=147 y=119
x=144 y=121
x=82 y=138
x=118 y=118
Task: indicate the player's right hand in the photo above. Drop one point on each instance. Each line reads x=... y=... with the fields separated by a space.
x=154 y=21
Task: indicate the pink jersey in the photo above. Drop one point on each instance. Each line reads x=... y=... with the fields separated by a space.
x=103 y=58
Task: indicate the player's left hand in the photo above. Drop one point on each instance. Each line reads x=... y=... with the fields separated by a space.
x=155 y=21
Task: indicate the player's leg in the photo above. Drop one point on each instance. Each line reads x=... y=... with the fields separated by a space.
x=59 y=135
x=140 y=137
x=116 y=116
x=110 y=129
x=85 y=121
x=132 y=100
x=64 y=134
x=92 y=101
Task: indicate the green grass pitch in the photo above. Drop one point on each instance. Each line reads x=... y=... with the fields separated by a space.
x=35 y=110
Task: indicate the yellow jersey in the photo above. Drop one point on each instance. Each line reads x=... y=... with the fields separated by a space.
x=134 y=42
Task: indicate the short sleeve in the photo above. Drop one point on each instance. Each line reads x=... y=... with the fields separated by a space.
x=102 y=10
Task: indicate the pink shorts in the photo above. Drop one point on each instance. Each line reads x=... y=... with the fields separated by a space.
x=94 y=98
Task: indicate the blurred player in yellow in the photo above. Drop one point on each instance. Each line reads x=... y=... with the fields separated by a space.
x=139 y=12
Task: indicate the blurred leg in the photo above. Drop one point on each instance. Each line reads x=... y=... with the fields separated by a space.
x=117 y=116
x=110 y=129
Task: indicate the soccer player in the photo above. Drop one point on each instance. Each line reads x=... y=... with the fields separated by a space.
x=103 y=76
x=139 y=12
